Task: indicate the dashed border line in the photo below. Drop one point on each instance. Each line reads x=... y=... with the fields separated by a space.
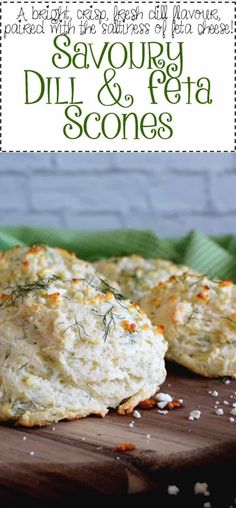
x=0 y=76
x=234 y=76
x=117 y=151
x=117 y=2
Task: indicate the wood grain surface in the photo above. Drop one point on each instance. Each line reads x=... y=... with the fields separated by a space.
x=70 y=459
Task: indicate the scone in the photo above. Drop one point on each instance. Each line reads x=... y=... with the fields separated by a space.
x=73 y=348
x=199 y=319
x=137 y=275
x=22 y=264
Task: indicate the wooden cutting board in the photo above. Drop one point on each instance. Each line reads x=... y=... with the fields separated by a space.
x=69 y=459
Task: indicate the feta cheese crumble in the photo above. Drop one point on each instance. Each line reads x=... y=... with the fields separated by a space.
x=219 y=411
x=201 y=488
x=163 y=397
x=195 y=414
x=173 y=490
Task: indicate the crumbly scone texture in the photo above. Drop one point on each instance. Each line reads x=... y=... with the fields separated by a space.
x=73 y=348
x=21 y=264
x=199 y=319
x=137 y=275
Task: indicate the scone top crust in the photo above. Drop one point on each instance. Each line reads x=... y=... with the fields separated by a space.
x=137 y=275
x=199 y=316
x=72 y=348
x=39 y=261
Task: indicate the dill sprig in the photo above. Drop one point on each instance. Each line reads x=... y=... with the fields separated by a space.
x=228 y=319
x=22 y=366
x=105 y=287
x=22 y=290
x=79 y=327
x=8 y=352
x=108 y=321
x=193 y=315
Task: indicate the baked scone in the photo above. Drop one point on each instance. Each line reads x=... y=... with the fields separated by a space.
x=136 y=275
x=21 y=264
x=199 y=319
x=73 y=348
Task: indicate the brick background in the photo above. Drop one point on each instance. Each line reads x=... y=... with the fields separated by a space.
x=168 y=193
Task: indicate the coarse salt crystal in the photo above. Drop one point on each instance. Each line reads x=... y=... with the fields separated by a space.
x=117 y=458
x=181 y=401
x=226 y=403
x=148 y=436
x=226 y=381
x=31 y=453
x=207 y=505
x=162 y=412
x=231 y=419
x=131 y=425
x=194 y=415
x=233 y=411
x=136 y=414
x=173 y=490
x=234 y=404
x=219 y=411
x=214 y=393
x=24 y=438
x=200 y=488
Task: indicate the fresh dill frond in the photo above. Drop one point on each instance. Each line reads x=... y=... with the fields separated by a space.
x=79 y=327
x=193 y=315
x=108 y=320
x=22 y=290
x=108 y=323
x=228 y=319
x=8 y=352
x=131 y=339
x=22 y=366
x=106 y=287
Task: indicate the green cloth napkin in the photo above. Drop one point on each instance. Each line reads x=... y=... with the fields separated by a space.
x=215 y=256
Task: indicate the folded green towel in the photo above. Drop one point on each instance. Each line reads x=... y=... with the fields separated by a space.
x=215 y=257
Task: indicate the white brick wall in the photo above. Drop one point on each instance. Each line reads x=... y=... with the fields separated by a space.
x=169 y=193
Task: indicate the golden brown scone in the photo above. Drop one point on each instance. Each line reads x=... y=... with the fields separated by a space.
x=136 y=275
x=199 y=318
x=22 y=264
x=73 y=348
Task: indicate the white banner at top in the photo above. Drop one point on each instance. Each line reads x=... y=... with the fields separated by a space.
x=117 y=76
